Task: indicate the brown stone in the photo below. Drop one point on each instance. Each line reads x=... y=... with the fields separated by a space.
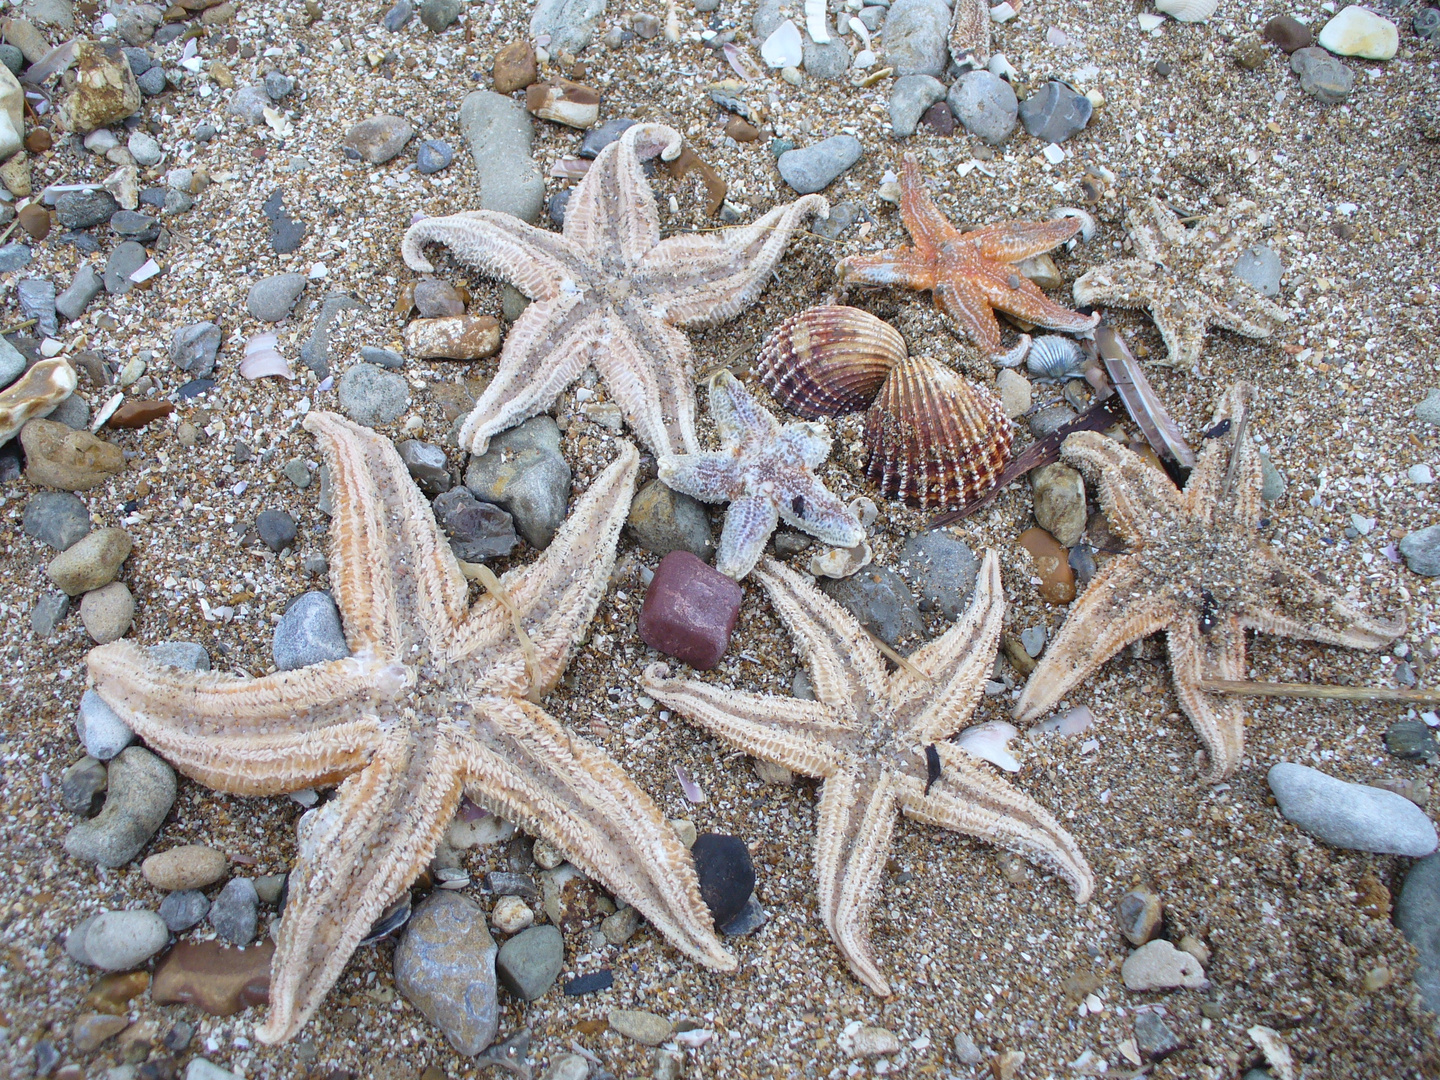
x=59 y=457
x=1288 y=33
x=570 y=103
x=35 y=220
x=1051 y=565
x=136 y=414
x=105 y=89
x=92 y=1029
x=454 y=337
x=690 y=610
x=38 y=141
x=218 y=15
x=741 y=130
x=111 y=993
x=217 y=979
x=189 y=866
x=514 y=68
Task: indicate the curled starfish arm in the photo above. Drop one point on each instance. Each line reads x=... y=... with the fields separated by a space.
x=648 y=368
x=1132 y=492
x=967 y=800
x=900 y=266
x=1130 y=283
x=1017 y=295
x=518 y=762
x=710 y=278
x=499 y=245
x=613 y=209
x=1293 y=604
x=1248 y=312
x=807 y=737
x=927 y=226
x=1015 y=241
x=749 y=521
x=1215 y=653
x=356 y=854
x=808 y=505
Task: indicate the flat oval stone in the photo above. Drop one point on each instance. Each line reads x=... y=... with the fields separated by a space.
x=814 y=168
x=91 y=562
x=56 y=518
x=530 y=962
x=58 y=457
x=726 y=873
x=190 y=866
x=445 y=967
x=215 y=978
x=377 y=139
x=1349 y=815
x=644 y=1027
x=121 y=940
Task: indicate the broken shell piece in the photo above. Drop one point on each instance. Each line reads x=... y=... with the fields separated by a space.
x=784 y=48
x=991 y=741
x=841 y=562
x=573 y=104
x=34 y=394
x=1070 y=722
x=1187 y=11
x=454 y=337
x=124 y=184
x=815 y=22
x=263 y=359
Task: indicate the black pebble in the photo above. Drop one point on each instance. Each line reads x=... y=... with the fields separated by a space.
x=727 y=876
x=590 y=984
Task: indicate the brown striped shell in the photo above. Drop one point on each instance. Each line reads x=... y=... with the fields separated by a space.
x=936 y=440
x=828 y=361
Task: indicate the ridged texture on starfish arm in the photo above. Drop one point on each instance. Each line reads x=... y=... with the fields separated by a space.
x=1198 y=570
x=764 y=472
x=866 y=735
x=1185 y=278
x=972 y=274
x=431 y=704
x=609 y=292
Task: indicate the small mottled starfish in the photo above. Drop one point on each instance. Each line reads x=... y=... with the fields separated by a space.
x=764 y=472
x=608 y=291
x=972 y=272
x=434 y=701
x=1186 y=277
x=876 y=739
x=1198 y=570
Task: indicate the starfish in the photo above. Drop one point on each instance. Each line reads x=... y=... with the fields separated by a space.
x=764 y=472
x=1186 y=277
x=1196 y=569
x=876 y=739
x=971 y=272
x=435 y=701
x=608 y=291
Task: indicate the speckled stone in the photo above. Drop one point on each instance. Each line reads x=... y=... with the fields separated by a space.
x=140 y=793
x=445 y=967
x=530 y=962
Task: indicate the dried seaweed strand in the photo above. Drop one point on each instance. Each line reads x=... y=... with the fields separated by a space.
x=1318 y=690
x=483 y=574
x=886 y=650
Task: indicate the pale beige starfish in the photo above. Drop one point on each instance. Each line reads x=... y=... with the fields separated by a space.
x=608 y=291
x=876 y=739
x=1186 y=278
x=433 y=703
x=1196 y=569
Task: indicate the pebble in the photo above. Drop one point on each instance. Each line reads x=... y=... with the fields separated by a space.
x=909 y=98
x=879 y=598
x=74 y=411
x=507 y=883
x=1358 y=32
x=567 y=1067
x=445 y=967
x=297 y=472
x=985 y=105
x=270 y=299
x=433 y=155
x=868 y=1041
x=276 y=529
x=555 y=207
x=1015 y=392
x=435 y=298
x=183 y=909
x=34 y=218
x=82 y=786
x=233 y=913
x=396 y=18
x=1060 y=502
x=647 y=1028
x=144 y=149
x=1139 y=911
x=309 y=633
x=842 y=217
x=386 y=358
x=201 y=1069
x=47 y=614
x=105 y=91
x=499 y=132
x=1429 y=409
x=1322 y=76
x=1259 y=267
x=597 y=138
x=941 y=570
x=478 y=531
x=217 y=979
x=726 y=873
x=1351 y=816
x=663 y=520
x=426 y=464
x=917 y=36
x=511 y=915
x=286 y=233
x=14 y=256
x=1054 y=112
x=372 y=395
x=524 y=473
x=455 y=337
x=135 y=225
x=103 y=733
x=570 y=23
x=94 y=1029
x=813 y=168
x=278 y=85
x=1420 y=474
x=1051 y=564
x=1272 y=482
x=565 y=102
x=315 y=352
x=1420 y=549
x=107 y=612
x=826 y=62
x=689 y=611
x=58 y=457
x=12 y=363
x=1161 y=966
x=57 y=518
x=118 y=940
x=1153 y=1037
x=189 y=866
x=514 y=68
x=248 y=105
x=940 y=118
x=12 y=58
x=1412 y=740
x=141 y=789
x=439 y=15
x=37 y=301
x=966 y=1050
x=750 y=918
x=530 y=962
x=1288 y=33
x=1417 y=914
x=377 y=139
x=84 y=209
x=1250 y=54
x=621 y=926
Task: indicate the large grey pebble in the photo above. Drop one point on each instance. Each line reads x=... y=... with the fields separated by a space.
x=233 y=912
x=941 y=571
x=309 y=633
x=445 y=967
x=57 y=518
x=12 y=363
x=1259 y=267
x=1417 y=914
x=47 y=614
x=83 y=209
x=122 y=940
x=194 y=348
x=879 y=598
x=276 y=529
x=826 y=62
x=84 y=287
x=814 y=168
x=270 y=299
x=37 y=301
x=1349 y=815
x=524 y=472
x=530 y=962
x=1421 y=551
x=1429 y=409
x=766 y=19
x=909 y=98
x=663 y=520
x=82 y=785
x=917 y=36
x=499 y=131
x=1054 y=112
x=1322 y=76
x=103 y=733
x=985 y=105
x=183 y=909
x=378 y=139
x=478 y=531
x=249 y=104
x=371 y=395
x=152 y=82
x=124 y=260
x=438 y=15
x=570 y=23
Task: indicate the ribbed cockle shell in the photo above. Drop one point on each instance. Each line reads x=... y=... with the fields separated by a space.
x=936 y=440
x=828 y=361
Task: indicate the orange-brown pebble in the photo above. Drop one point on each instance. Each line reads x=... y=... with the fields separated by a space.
x=1052 y=565
x=215 y=978
x=35 y=220
x=38 y=141
x=111 y=992
x=92 y=1029
x=514 y=67
x=136 y=414
x=741 y=130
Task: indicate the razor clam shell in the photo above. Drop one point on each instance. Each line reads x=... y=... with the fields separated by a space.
x=936 y=440
x=828 y=361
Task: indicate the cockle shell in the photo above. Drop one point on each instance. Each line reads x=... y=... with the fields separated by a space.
x=828 y=361
x=1054 y=358
x=936 y=440
x=1187 y=11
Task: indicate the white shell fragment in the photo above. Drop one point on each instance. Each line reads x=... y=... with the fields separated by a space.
x=784 y=48
x=1187 y=11
x=841 y=562
x=262 y=358
x=1149 y=21
x=815 y=22
x=991 y=741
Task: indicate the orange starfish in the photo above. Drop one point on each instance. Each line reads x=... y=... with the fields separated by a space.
x=970 y=273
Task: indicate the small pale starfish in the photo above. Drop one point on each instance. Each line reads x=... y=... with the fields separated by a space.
x=972 y=272
x=876 y=739
x=1186 y=278
x=434 y=701
x=608 y=291
x=764 y=472
x=1198 y=570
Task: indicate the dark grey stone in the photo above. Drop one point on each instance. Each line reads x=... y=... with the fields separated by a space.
x=478 y=531
x=56 y=518
x=194 y=349
x=84 y=287
x=183 y=909
x=234 y=912
x=83 y=209
x=47 y=614
x=276 y=529
x=1055 y=112
x=1322 y=76
x=396 y=18
x=941 y=570
x=597 y=138
x=124 y=261
x=1421 y=550
x=433 y=155
x=385 y=358
x=663 y=520
x=1417 y=914
x=524 y=472
x=37 y=301
x=315 y=352
x=82 y=786
x=427 y=465
x=438 y=15
x=278 y=85
x=1153 y=1038
x=133 y=225
x=152 y=82
x=880 y=600
x=530 y=962
x=14 y=256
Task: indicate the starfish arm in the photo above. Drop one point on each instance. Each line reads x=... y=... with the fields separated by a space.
x=1245 y=311
x=1161 y=220
x=521 y=764
x=854 y=824
x=957 y=664
x=545 y=351
x=927 y=226
x=1015 y=241
x=282 y=733
x=809 y=439
x=712 y=476
x=700 y=280
x=1217 y=718
x=749 y=521
x=379 y=512
x=1204 y=496
x=1135 y=496
x=738 y=416
x=613 y=209
x=500 y=245
x=1119 y=606
x=844 y=664
x=649 y=370
x=1130 y=283
x=968 y=800
x=806 y=737
x=1182 y=327
x=806 y=504
x=1017 y=295
x=355 y=856
x=963 y=299
x=905 y=267
x=1293 y=604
